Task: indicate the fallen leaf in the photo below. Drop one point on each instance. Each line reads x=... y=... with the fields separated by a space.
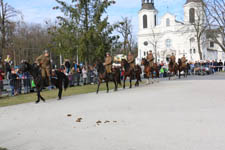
x=98 y=122
x=107 y=121
x=78 y=119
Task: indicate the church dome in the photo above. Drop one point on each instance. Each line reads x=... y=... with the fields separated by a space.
x=196 y=1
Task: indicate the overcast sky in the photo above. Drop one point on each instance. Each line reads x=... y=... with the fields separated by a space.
x=37 y=11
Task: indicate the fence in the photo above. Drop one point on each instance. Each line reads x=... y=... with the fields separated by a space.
x=23 y=86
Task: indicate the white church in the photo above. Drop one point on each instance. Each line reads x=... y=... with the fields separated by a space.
x=168 y=35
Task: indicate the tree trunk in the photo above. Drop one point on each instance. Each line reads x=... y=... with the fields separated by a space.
x=199 y=48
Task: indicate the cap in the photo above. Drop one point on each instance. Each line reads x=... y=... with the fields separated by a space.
x=46 y=51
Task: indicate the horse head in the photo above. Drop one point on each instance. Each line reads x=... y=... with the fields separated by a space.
x=100 y=67
x=125 y=64
x=25 y=66
x=179 y=62
x=144 y=62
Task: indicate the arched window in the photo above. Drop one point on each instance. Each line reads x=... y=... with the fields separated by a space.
x=167 y=22
x=155 y=20
x=192 y=15
x=168 y=43
x=145 y=22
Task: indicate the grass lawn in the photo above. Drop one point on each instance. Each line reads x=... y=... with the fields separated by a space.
x=53 y=94
x=3 y=148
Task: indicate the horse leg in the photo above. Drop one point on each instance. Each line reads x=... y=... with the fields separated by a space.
x=38 y=96
x=115 y=89
x=60 y=94
x=124 y=81
x=99 y=82
x=107 y=85
x=179 y=73
x=152 y=77
x=130 y=82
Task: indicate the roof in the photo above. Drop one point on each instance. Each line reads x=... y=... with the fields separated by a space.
x=149 y=6
x=196 y=1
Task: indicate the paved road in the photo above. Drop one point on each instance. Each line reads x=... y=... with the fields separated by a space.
x=173 y=115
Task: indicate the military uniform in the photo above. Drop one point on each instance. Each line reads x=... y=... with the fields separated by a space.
x=183 y=61
x=130 y=59
x=173 y=60
x=150 y=59
x=45 y=65
x=108 y=64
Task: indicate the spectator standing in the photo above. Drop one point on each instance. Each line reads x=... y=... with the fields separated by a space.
x=84 y=74
x=224 y=65
x=1 y=79
x=12 y=78
x=220 y=66
x=67 y=66
x=79 y=71
x=8 y=63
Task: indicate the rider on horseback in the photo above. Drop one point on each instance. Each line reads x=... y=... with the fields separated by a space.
x=108 y=63
x=150 y=59
x=131 y=61
x=173 y=60
x=45 y=64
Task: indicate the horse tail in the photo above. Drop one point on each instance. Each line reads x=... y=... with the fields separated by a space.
x=66 y=81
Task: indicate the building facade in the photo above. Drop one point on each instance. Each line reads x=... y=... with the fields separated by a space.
x=168 y=35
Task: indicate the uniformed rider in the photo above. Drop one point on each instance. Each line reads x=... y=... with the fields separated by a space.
x=183 y=59
x=131 y=61
x=150 y=59
x=45 y=64
x=108 y=63
x=173 y=60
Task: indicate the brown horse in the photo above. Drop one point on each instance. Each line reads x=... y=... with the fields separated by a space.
x=131 y=73
x=173 y=68
x=102 y=75
x=182 y=67
x=150 y=70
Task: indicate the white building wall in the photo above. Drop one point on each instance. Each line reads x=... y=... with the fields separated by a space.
x=179 y=34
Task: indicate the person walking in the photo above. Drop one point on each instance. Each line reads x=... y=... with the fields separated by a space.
x=1 y=80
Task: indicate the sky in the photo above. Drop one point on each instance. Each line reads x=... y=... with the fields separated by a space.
x=38 y=11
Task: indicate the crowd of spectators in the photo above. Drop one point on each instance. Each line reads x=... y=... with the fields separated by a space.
x=196 y=68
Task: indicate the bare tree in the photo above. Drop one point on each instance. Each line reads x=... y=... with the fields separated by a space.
x=125 y=29
x=200 y=26
x=154 y=40
x=216 y=13
x=6 y=13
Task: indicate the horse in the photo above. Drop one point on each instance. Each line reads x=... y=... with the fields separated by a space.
x=150 y=70
x=58 y=79
x=182 y=67
x=136 y=73
x=173 y=68
x=102 y=75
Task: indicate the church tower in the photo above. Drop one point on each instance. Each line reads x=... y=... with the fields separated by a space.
x=147 y=15
x=194 y=11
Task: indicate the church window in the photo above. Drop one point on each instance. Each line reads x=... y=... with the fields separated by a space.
x=190 y=51
x=146 y=43
x=194 y=51
x=168 y=43
x=145 y=22
x=192 y=15
x=144 y=53
x=211 y=44
x=167 y=22
x=155 y=20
